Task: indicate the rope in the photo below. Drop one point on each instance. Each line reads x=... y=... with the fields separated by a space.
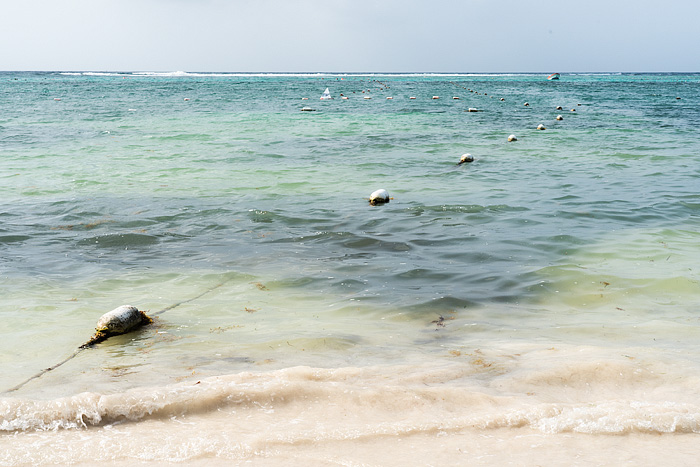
x=93 y=340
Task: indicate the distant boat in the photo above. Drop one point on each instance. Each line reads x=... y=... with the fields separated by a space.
x=553 y=76
x=326 y=95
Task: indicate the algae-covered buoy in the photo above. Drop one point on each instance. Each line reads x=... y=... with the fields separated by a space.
x=379 y=197
x=121 y=320
x=466 y=158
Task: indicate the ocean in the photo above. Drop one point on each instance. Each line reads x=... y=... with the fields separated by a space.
x=537 y=306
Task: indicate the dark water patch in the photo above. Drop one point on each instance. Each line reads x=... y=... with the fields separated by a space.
x=291 y=283
x=121 y=241
x=359 y=242
x=5 y=239
x=420 y=275
x=440 y=305
x=363 y=257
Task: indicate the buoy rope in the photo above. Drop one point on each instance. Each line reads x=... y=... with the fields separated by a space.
x=92 y=340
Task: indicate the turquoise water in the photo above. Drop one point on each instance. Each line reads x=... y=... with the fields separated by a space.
x=150 y=189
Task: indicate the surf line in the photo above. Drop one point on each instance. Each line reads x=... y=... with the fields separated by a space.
x=122 y=313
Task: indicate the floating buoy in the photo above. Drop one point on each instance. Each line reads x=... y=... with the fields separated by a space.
x=502 y=99
x=559 y=117
x=677 y=98
x=526 y=104
x=367 y=97
x=379 y=197
x=305 y=98
x=466 y=158
x=186 y=99
x=307 y=109
x=436 y=97
x=411 y=97
x=56 y=99
x=512 y=138
x=455 y=98
x=121 y=320
x=389 y=98
x=472 y=109
x=559 y=107
x=573 y=110
x=345 y=98
x=541 y=127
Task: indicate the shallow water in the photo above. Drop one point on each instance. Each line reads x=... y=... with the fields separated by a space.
x=518 y=309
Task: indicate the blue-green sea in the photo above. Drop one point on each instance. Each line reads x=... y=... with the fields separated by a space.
x=546 y=294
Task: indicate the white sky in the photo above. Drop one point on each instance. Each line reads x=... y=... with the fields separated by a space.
x=350 y=35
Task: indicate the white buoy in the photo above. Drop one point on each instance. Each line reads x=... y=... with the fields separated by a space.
x=305 y=98
x=186 y=99
x=380 y=196
x=389 y=98
x=367 y=97
x=541 y=127
x=455 y=98
x=559 y=107
x=512 y=138
x=436 y=97
x=345 y=98
x=472 y=109
x=411 y=97
x=307 y=109
x=559 y=117
x=502 y=99
x=121 y=320
x=56 y=99
x=526 y=104
x=466 y=158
